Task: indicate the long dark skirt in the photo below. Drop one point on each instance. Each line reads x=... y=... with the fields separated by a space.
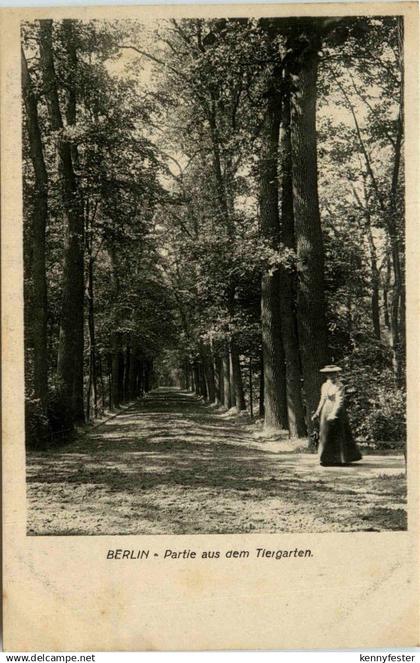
x=336 y=443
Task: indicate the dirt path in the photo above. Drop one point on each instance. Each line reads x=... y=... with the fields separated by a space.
x=172 y=465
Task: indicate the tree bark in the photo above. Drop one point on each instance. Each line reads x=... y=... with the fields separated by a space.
x=101 y=381
x=221 y=391
x=93 y=381
x=197 y=385
x=209 y=372
x=385 y=290
x=231 y=379
x=261 y=392
x=274 y=369
x=251 y=395
x=117 y=368
x=398 y=295
x=127 y=367
x=226 y=379
x=312 y=326
x=375 y=281
x=187 y=376
x=39 y=308
x=70 y=351
x=289 y=332
x=237 y=376
x=133 y=377
x=140 y=382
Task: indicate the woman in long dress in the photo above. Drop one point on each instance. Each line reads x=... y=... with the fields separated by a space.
x=336 y=443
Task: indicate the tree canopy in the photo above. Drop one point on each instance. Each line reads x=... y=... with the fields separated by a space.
x=219 y=204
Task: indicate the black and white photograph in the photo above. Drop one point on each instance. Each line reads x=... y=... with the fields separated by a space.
x=214 y=275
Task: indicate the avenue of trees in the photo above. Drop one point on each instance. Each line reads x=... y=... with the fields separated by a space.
x=218 y=203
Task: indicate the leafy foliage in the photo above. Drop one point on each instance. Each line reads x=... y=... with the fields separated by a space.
x=165 y=137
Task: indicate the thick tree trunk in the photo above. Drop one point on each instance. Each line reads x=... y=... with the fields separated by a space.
x=70 y=351
x=71 y=110
x=275 y=408
x=38 y=307
x=274 y=368
x=309 y=243
x=295 y=410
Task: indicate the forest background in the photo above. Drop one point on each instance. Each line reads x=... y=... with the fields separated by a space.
x=216 y=203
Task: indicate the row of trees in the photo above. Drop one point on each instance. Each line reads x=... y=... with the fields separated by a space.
x=95 y=307
x=278 y=120
x=176 y=204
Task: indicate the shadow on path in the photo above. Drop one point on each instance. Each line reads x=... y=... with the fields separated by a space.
x=170 y=464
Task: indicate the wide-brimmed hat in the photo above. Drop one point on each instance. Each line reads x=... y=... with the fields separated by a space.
x=331 y=369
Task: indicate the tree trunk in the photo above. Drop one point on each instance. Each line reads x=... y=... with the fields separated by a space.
x=312 y=326
x=197 y=385
x=127 y=367
x=187 y=376
x=226 y=379
x=148 y=375
x=101 y=381
x=203 y=381
x=117 y=367
x=376 y=323
x=70 y=351
x=231 y=379
x=261 y=394
x=398 y=291
x=295 y=410
x=251 y=396
x=237 y=377
x=220 y=380
x=192 y=379
x=39 y=308
x=93 y=381
x=385 y=291
x=133 y=377
x=211 y=381
x=140 y=383
x=274 y=369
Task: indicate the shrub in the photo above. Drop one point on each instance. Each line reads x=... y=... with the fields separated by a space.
x=385 y=421
x=377 y=408
x=36 y=425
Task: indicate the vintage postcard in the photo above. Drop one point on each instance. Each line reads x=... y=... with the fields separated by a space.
x=210 y=364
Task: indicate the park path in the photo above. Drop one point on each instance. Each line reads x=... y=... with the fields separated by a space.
x=170 y=464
